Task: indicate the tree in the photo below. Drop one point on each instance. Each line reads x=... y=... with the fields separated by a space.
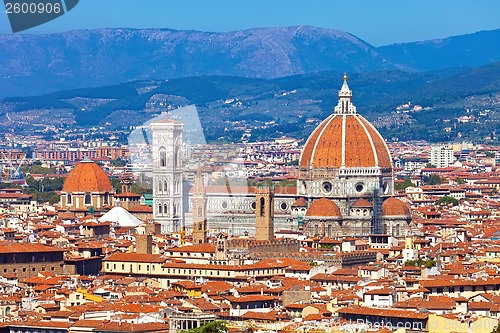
x=403 y=185
x=217 y=326
x=421 y=262
x=446 y=200
x=118 y=162
x=116 y=184
x=54 y=199
x=434 y=180
x=138 y=189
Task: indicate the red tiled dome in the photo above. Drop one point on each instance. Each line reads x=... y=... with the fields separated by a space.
x=395 y=207
x=323 y=207
x=345 y=140
x=87 y=176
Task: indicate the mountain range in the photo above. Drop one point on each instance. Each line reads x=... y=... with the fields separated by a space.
x=39 y=64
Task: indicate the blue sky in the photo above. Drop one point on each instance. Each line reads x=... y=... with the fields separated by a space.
x=378 y=22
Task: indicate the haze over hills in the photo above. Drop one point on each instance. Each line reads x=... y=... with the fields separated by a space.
x=471 y=50
x=38 y=64
x=269 y=108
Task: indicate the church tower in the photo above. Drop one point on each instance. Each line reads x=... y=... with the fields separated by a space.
x=199 y=203
x=264 y=214
x=167 y=175
x=126 y=183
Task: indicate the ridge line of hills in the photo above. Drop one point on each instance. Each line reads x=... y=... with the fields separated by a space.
x=38 y=64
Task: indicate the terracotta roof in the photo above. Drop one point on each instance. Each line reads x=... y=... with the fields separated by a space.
x=300 y=202
x=127 y=195
x=198 y=248
x=323 y=207
x=345 y=140
x=250 y=298
x=395 y=207
x=137 y=257
x=360 y=310
x=362 y=203
x=140 y=209
x=27 y=247
x=87 y=176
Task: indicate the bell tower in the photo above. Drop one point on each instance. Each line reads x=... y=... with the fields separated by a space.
x=126 y=183
x=264 y=213
x=199 y=203
x=167 y=174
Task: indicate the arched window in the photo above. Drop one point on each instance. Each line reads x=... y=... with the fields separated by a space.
x=88 y=199
x=163 y=158
x=106 y=198
x=200 y=211
x=165 y=186
x=200 y=226
x=7 y=311
x=160 y=209
x=166 y=210
x=68 y=199
x=160 y=186
x=262 y=206
x=177 y=157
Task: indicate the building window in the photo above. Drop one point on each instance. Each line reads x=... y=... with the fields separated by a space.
x=88 y=199
x=163 y=158
x=68 y=199
x=262 y=206
x=176 y=157
x=327 y=187
x=106 y=198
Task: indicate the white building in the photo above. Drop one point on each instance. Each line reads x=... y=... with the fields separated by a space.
x=441 y=156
